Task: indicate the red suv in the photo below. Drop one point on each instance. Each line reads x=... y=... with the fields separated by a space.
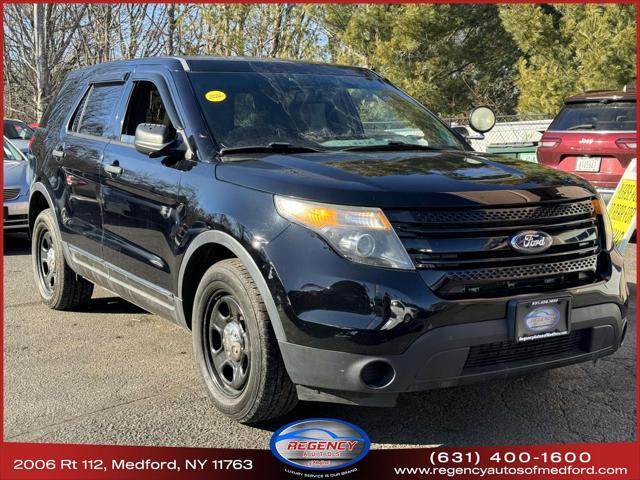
x=593 y=136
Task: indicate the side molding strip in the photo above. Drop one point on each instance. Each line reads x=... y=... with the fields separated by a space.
x=124 y=284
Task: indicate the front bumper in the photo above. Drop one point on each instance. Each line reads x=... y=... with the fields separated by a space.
x=340 y=317
x=16 y=215
x=449 y=356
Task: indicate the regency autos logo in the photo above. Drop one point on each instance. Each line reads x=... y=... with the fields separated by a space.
x=320 y=444
x=542 y=318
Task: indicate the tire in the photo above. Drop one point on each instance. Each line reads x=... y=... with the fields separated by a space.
x=60 y=287
x=235 y=347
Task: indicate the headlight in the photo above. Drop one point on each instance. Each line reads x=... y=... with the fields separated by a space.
x=361 y=234
x=601 y=209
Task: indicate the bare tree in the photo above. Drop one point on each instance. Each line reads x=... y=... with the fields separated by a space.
x=37 y=41
x=45 y=41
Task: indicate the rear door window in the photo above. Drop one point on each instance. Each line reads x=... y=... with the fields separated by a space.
x=615 y=116
x=93 y=115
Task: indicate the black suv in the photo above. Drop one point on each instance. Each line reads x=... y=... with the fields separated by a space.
x=322 y=234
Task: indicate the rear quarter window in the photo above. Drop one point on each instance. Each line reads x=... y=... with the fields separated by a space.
x=93 y=114
x=615 y=116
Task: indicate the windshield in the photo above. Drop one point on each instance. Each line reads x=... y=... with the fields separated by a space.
x=325 y=112
x=615 y=116
x=11 y=153
x=15 y=130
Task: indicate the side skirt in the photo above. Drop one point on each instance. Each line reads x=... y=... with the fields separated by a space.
x=130 y=287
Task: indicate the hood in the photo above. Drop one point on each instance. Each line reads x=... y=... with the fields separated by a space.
x=402 y=179
x=15 y=174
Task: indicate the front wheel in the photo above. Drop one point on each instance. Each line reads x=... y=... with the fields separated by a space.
x=236 y=349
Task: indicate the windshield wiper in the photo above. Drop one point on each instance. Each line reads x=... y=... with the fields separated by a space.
x=390 y=146
x=273 y=147
x=583 y=126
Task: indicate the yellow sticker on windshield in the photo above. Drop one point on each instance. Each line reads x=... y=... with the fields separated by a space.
x=215 y=96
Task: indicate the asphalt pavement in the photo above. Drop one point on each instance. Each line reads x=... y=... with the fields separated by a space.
x=114 y=374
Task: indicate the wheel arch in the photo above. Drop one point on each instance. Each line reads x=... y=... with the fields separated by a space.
x=39 y=200
x=205 y=250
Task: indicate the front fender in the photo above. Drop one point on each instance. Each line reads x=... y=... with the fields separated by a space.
x=218 y=237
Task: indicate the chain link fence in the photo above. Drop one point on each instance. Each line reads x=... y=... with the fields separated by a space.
x=510 y=130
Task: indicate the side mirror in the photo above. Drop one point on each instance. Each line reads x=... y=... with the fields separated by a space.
x=464 y=132
x=151 y=138
x=482 y=119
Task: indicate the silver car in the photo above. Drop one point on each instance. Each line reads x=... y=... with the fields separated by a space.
x=17 y=174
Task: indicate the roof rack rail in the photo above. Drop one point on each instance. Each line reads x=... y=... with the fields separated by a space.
x=183 y=62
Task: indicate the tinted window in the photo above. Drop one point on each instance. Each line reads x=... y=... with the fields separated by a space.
x=318 y=111
x=15 y=130
x=145 y=106
x=94 y=113
x=75 y=120
x=615 y=116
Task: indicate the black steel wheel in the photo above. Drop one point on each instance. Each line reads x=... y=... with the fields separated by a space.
x=235 y=347
x=46 y=259
x=60 y=287
x=227 y=343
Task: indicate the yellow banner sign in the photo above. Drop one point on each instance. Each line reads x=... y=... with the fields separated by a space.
x=622 y=207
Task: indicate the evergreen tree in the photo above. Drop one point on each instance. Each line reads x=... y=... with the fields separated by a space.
x=570 y=48
x=450 y=57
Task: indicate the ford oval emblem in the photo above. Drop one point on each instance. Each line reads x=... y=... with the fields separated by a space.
x=531 y=241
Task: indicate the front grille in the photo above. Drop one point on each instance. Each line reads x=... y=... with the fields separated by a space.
x=510 y=353
x=506 y=214
x=11 y=193
x=465 y=253
x=16 y=221
x=524 y=271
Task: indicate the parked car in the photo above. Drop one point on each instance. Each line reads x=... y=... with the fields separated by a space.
x=322 y=234
x=19 y=133
x=16 y=188
x=34 y=125
x=593 y=136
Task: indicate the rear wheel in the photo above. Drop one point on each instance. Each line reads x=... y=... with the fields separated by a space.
x=60 y=287
x=235 y=347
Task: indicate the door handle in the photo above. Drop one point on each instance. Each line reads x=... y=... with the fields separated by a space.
x=57 y=153
x=113 y=169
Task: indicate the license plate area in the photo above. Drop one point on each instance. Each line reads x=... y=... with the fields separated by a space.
x=588 y=164
x=543 y=317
